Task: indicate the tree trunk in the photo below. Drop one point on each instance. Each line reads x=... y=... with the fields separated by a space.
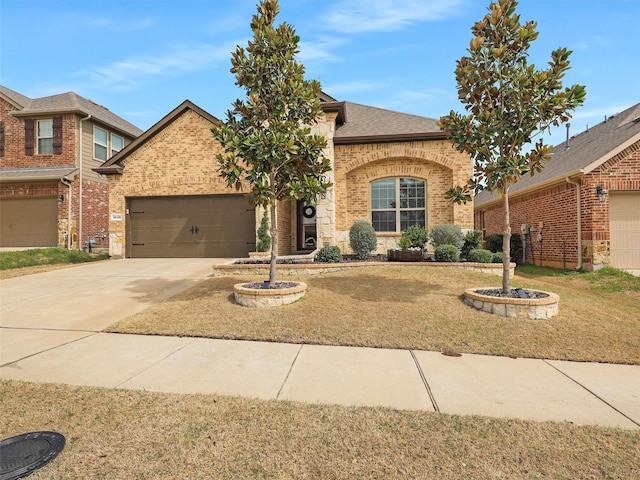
x=506 y=242
x=274 y=244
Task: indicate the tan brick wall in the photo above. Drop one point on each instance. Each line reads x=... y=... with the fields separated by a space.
x=436 y=162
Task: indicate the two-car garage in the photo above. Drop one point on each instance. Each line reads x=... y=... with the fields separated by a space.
x=190 y=226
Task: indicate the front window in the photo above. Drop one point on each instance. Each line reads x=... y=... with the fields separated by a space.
x=398 y=203
x=45 y=136
x=100 y=143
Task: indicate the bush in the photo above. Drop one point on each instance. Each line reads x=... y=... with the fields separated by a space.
x=446 y=234
x=480 y=255
x=493 y=243
x=328 y=254
x=264 y=239
x=447 y=253
x=497 y=257
x=414 y=236
x=362 y=239
x=473 y=239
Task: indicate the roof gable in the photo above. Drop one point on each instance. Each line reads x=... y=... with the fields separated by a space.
x=114 y=164
x=69 y=102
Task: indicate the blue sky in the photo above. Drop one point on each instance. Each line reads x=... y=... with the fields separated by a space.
x=142 y=58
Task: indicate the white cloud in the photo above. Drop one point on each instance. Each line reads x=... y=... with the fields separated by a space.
x=126 y=74
x=357 y=16
x=319 y=49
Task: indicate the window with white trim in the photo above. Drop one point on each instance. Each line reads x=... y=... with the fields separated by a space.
x=117 y=143
x=105 y=144
x=44 y=129
x=398 y=203
x=100 y=143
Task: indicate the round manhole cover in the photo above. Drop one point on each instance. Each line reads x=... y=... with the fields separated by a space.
x=21 y=455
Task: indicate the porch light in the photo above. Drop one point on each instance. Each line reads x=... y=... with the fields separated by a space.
x=602 y=194
x=59 y=200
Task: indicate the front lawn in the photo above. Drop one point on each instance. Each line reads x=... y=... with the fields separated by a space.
x=412 y=307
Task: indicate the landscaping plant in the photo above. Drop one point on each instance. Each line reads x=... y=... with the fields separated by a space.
x=267 y=140
x=264 y=240
x=508 y=102
x=414 y=236
x=328 y=254
x=472 y=239
x=446 y=234
x=362 y=239
x=447 y=253
x=480 y=255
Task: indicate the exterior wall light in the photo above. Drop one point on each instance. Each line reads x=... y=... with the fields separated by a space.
x=602 y=194
x=59 y=200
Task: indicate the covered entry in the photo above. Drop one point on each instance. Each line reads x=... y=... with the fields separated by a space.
x=624 y=215
x=29 y=222
x=190 y=226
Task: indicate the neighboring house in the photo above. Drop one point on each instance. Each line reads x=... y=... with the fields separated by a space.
x=49 y=194
x=584 y=208
x=391 y=169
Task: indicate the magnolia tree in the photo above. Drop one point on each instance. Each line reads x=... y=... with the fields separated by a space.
x=267 y=140
x=508 y=102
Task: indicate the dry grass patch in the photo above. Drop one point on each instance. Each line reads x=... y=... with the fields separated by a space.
x=132 y=434
x=407 y=307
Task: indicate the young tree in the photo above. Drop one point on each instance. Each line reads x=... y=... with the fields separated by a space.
x=508 y=103
x=267 y=138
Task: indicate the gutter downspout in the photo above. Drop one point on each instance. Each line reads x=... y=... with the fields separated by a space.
x=578 y=208
x=67 y=182
x=80 y=187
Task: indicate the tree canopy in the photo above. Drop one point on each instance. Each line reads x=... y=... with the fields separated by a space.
x=267 y=138
x=508 y=103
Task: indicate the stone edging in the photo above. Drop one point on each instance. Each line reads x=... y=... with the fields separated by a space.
x=531 y=308
x=318 y=268
x=267 y=297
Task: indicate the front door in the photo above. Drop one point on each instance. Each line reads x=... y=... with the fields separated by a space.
x=307 y=234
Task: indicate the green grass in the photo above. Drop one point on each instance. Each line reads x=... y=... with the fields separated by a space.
x=607 y=279
x=46 y=256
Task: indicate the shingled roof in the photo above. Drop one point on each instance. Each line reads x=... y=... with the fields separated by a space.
x=366 y=124
x=69 y=102
x=582 y=154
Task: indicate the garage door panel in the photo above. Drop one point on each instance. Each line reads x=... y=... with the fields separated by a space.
x=624 y=215
x=191 y=226
x=29 y=222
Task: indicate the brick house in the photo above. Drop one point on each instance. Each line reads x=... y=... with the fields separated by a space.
x=389 y=168
x=48 y=148
x=584 y=208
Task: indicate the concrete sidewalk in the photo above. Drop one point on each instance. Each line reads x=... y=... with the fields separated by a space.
x=49 y=333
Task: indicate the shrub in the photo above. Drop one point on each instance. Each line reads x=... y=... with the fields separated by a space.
x=481 y=256
x=493 y=243
x=446 y=234
x=362 y=239
x=472 y=239
x=497 y=257
x=414 y=236
x=328 y=254
x=264 y=239
x=447 y=253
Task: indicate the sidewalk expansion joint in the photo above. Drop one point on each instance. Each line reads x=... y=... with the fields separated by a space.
x=284 y=382
x=593 y=393
x=169 y=354
x=90 y=334
x=426 y=384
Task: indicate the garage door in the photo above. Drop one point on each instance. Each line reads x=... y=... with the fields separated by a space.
x=29 y=222
x=190 y=226
x=624 y=214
